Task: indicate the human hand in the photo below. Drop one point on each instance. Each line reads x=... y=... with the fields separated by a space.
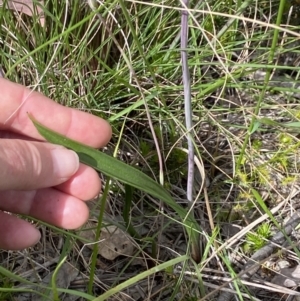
x=39 y=179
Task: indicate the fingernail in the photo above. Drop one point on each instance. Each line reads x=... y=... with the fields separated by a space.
x=65 y=162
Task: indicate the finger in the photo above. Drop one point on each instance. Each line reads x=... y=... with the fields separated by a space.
x=16 y=234
x=77 y=125
x=49 y=205
x=31 y=165
x=85 y=184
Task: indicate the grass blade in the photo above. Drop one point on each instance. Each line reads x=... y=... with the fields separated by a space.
x=135 y=279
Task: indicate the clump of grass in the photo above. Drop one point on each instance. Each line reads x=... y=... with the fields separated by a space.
x=256 y=240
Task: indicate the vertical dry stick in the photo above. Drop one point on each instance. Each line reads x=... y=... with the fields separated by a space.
x=187 y=101
x=195 y=248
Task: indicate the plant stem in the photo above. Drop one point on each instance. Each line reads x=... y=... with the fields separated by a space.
x=189 y=123
x=187 y=101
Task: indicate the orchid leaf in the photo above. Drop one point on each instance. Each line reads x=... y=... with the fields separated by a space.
x=120 y=171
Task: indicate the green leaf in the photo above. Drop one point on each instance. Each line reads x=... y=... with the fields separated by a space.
x=255 y=127
x=292 y=124
x=117 y=169
x=268 y=121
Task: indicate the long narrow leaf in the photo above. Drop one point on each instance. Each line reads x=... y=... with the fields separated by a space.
x=119 y=170
x=139 y=277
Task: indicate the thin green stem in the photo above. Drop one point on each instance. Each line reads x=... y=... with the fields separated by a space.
x=98 y=231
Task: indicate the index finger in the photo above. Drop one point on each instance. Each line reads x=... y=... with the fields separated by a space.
x=16 y=102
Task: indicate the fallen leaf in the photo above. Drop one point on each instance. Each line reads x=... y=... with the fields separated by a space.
x=65 y=275
x=113 y=242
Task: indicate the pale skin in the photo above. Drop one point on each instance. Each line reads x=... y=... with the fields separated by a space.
x=39 y=179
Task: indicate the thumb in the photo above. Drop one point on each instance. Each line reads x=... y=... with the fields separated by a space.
x=27 y=165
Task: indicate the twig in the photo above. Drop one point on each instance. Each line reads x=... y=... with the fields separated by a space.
x=187 y=100
x=195 y=243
